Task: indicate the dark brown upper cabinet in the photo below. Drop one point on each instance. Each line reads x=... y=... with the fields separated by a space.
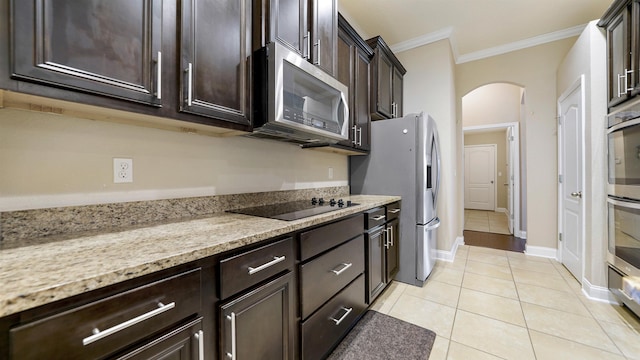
x=386 y=81
x=186 y=60
x=308 y=27
x=214 y=59
x=111 y=48
x=622 y=25
x=353 y=70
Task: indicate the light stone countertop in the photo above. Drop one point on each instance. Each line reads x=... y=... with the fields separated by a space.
x=35 y=275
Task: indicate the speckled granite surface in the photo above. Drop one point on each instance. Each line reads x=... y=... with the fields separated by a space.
x=38 y=274
x=17 y=227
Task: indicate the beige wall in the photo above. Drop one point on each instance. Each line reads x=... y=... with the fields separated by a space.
x=499 y=138
x=429 y=86
x=491 y=104
x=535 y=70
x=588 y=57
x=52 y=160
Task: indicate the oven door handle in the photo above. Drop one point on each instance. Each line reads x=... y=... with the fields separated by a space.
x=626 y=204
x=623 y=125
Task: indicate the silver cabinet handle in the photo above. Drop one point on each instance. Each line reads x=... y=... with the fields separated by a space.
x=344 y=268
x=379 y=217
x=189 y=84
x=344 y=316
x=577 y=194
x=264 y=266
x=626 y=80
x=317 y=53
x=360 y=136
x=97 y=334
x=355 y=134
x=232 y=355
x=619 y=91
x=200 y=337
x=307 y=53
x=391 y=235
x=394 y=211
x=159 y=63
x=386 y=238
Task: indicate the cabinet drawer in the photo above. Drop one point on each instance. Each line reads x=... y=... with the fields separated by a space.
x=100 y=328
x=315 y=241
x=393 y=211
x=247 y=269
x=374 y=217
x=322 y=331
x=323 y=277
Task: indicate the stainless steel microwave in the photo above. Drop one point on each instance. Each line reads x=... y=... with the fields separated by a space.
x=623 y=141
x=293 y=100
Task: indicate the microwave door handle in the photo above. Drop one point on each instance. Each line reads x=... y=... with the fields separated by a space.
x=624 y=124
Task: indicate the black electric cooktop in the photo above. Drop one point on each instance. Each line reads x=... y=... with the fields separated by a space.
x=295 y=210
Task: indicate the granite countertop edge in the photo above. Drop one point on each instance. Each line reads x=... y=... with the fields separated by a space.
x=40 y=274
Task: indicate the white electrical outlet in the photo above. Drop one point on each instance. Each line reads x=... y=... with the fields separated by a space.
x=330 y=173
x=122 y=170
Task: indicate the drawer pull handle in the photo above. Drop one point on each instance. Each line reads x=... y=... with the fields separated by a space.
x=378 y=218
x=264 y=266
x=200 y=337
x=345 y=267
x=97 y=334
x=394 y=211
x=344 y=316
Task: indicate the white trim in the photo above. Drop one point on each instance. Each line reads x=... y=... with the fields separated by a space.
x=449 y=256
x=425 y=39
x=447 y=33
x=502 y=210
x=541 y=251
x=598 y=293
x=521 y=234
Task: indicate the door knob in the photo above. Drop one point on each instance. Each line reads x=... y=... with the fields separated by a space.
x=577 y=194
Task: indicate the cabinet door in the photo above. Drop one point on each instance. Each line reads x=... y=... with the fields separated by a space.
x=286 y=23
x=635 y=48
x=215 y=45
x=101 y=47
x=392 y=255
x=361 y=101
x=184 y=343
x=375 y=270
x=384 y=80
x=618 y=62
x=324 y=30
x=260 y=323
x=397 y=93
x=345 y=74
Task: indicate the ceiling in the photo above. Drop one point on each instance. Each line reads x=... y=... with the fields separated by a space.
x=476 y=28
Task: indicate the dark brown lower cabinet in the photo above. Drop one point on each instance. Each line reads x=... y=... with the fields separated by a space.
x=260 y=324
x=322 y=331
x=392 y=257
x=376 y=272
x=184 y=343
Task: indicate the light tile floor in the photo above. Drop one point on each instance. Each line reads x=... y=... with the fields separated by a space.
x=486 y=221
x=495 y=304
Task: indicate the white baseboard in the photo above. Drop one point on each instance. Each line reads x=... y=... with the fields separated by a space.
x=502 y=210
x=450 y=255
x=598 y=293
x=541 y=251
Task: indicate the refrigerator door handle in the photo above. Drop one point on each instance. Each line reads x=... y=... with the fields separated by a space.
x=434 y=224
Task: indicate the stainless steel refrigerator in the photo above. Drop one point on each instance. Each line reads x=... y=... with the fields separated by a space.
x=405 y=161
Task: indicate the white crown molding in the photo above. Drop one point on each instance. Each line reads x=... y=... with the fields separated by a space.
x=447 y=33
x=423 y=40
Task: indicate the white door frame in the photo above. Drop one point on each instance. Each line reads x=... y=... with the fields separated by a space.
x=516 y=166
x=579 y=83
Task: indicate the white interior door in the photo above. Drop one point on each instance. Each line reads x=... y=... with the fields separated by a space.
x=480 y=174
x=571 y=185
